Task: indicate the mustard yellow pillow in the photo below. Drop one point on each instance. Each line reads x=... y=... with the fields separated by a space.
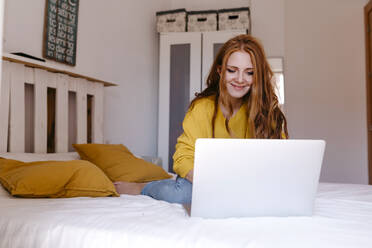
x=120 y=164
x=54 y=179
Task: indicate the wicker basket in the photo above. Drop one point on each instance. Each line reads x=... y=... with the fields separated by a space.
x=199 y=21
x=171 y=20
x=230 y=19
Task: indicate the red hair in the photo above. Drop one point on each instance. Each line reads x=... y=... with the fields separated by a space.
x=265 y=117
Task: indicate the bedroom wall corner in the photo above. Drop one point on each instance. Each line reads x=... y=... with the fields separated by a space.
x=325 y=82
x=1 y=34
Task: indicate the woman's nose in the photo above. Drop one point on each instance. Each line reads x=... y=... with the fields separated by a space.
x=240 y=78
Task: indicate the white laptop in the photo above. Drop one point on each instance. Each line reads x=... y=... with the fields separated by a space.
x=255 y=177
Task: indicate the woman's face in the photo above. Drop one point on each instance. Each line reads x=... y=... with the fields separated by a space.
x=239 y=74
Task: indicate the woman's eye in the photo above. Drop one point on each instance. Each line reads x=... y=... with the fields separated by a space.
x=230 y=70
x=250 y=73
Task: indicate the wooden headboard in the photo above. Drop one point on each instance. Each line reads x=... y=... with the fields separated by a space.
x=17 y=72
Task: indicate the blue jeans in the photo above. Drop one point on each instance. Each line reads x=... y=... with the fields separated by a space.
x=173 y=191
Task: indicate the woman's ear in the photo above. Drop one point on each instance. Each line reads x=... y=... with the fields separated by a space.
x=219 y=70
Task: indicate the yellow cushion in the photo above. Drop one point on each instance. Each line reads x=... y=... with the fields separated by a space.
x=54 y=179
x=120 y=164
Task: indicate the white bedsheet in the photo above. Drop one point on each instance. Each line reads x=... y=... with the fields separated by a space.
x=343 y=218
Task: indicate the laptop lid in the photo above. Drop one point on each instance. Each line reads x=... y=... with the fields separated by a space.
x=255 y=177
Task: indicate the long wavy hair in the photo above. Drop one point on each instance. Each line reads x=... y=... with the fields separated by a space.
x=265 y=118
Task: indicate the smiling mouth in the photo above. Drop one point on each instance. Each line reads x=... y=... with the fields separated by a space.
x=238 y=87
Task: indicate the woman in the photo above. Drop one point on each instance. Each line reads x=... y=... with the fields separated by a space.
x=239 y=102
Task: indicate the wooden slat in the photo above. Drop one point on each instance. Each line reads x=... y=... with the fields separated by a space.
x=51 y=80
x=41 y=79
x=81 y=110
x=91 y=89
x=49 y=67
x=72 y=84
x=62 y=113
x=17 y=108
x=4 y=106
x=29 y=75
x=98 y=107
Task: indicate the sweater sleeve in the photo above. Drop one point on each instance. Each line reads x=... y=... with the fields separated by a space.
x=195 y=125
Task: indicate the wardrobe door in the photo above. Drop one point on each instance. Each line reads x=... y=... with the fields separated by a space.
x=179 y=80
x=212 y=42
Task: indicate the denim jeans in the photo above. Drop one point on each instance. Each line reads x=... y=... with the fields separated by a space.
x=173 y=191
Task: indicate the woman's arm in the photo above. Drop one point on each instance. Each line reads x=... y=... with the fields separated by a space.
x=195 y=125
x=183 y=158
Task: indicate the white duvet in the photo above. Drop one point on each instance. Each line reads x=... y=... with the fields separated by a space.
x=343 y=218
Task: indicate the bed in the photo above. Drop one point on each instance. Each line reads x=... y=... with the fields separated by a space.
x=342 y=215
x=342 y=218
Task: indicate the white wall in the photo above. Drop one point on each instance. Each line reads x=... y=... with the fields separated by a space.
x=1 y=31
x=208 y=4
x=268 y=25
x=116 y=42
x=325 y=82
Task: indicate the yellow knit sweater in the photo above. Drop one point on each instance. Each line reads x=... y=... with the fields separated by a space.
x=198 y=124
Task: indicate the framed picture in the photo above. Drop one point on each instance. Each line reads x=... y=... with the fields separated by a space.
x=60 y=30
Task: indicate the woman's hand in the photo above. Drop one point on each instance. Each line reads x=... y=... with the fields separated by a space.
x=190 y=176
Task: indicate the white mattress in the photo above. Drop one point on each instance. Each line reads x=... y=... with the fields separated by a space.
x=343 y=218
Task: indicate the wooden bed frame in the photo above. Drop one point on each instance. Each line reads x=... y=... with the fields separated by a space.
x=16 y=73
